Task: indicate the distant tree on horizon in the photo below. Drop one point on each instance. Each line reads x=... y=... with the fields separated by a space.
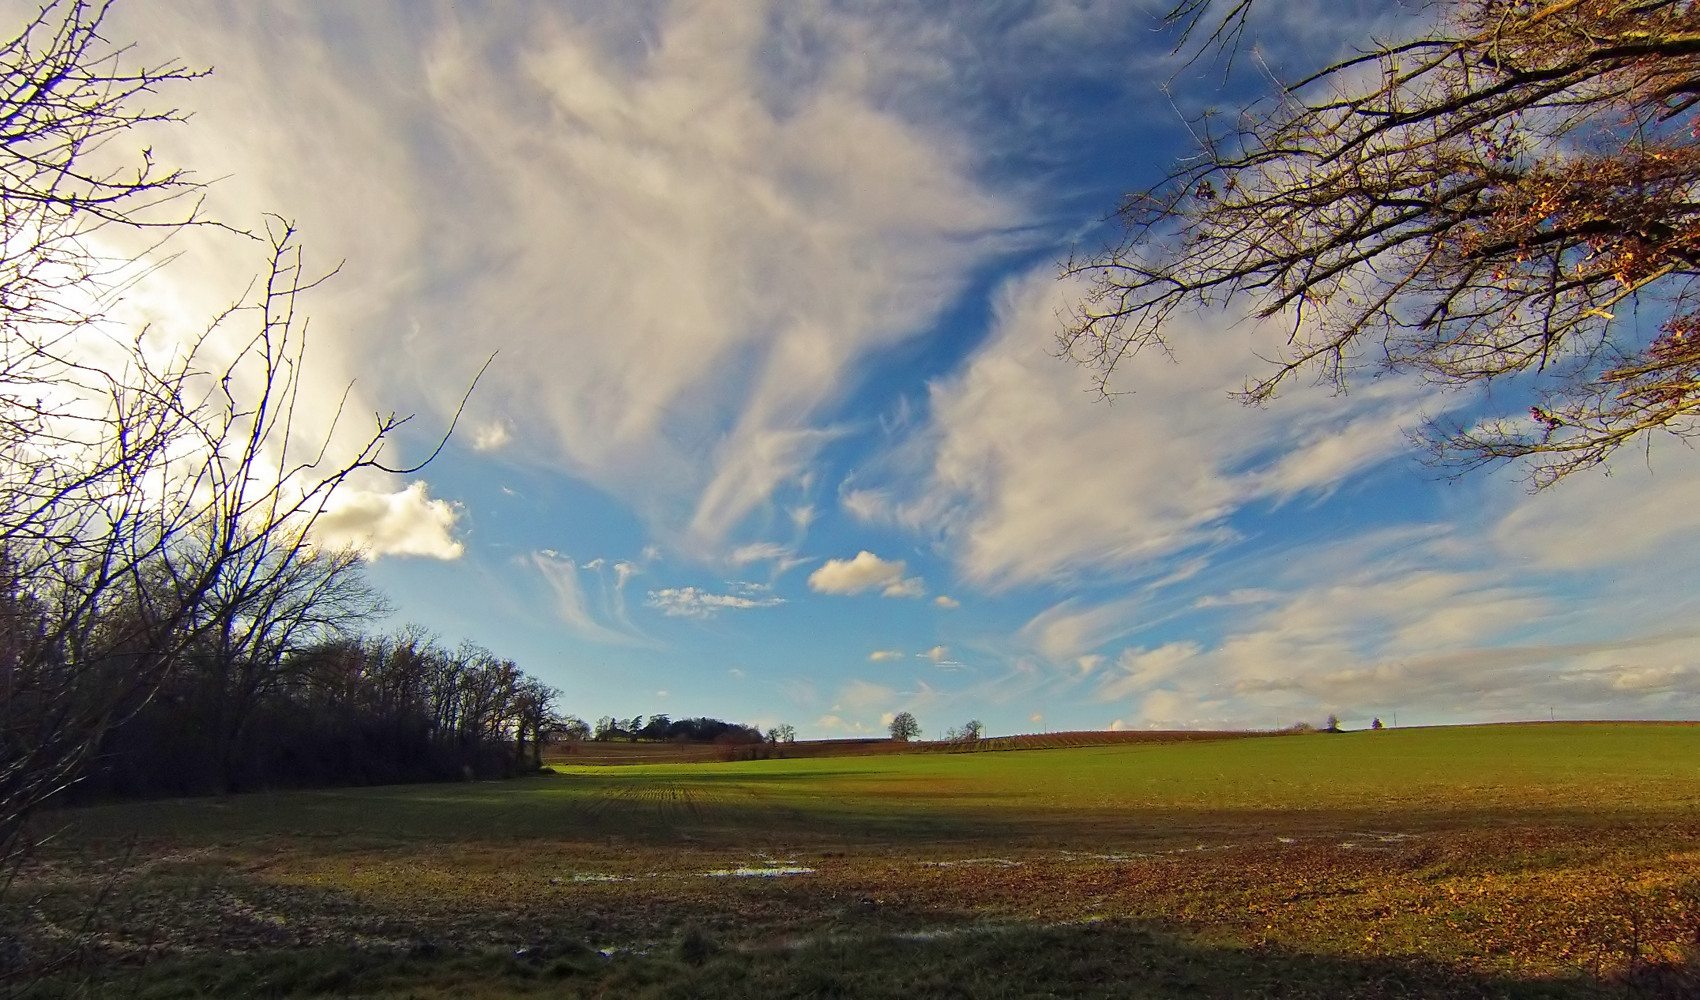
x=903 y=727
x=970 y=731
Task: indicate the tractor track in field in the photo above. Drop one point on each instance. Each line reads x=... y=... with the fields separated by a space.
x=674 y=804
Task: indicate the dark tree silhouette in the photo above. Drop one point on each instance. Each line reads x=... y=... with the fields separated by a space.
x=156 y=508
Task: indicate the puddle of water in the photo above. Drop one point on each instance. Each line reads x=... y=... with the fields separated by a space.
x=592 y=877
x=771 y=872
x=1287 y=840
x=938 y=934
x=922 y=934
x=1077 y=856
x=1000 y=862
x=1199 y=847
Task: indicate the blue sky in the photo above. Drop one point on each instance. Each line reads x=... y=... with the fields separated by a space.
x=774 y=431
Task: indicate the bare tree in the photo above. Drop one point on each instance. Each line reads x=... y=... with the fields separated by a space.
x=969 y=732
x=535 y=718
x=1495 y=197
x=181 y=530
x=154 y=504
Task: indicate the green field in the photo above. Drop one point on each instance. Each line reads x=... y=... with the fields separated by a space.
x=1535 y=860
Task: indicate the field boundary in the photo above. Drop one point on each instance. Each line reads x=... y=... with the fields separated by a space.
x=617 y=753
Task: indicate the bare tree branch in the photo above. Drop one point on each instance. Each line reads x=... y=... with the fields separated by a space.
x=1468 y=205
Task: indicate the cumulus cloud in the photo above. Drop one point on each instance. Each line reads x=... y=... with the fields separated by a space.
x=689 y=602
x=947 y=602
x=885 y=654
x=866 y=572
x=408 y=523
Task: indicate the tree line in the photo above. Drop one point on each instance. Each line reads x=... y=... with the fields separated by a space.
x=698 y=730
x=350 y=710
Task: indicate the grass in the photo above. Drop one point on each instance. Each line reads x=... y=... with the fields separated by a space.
x=1549 y=860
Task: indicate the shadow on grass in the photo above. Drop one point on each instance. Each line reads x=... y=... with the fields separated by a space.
x=719 y=811
x=978 y=961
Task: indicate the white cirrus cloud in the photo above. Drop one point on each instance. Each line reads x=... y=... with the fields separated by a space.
x=911 y=586
x=690 y=602
x=1426 y=624
x=1072 y=628
x=406 y=523
x=757 y=248
x=743 y=555
x=717 y=221
x=940 y=656
x=866 y=572
x=885 y=654
x=838 y=724
x=1029 y=479
x=861 y=695
x=1237 y=597
x=561 y=573
x=866 y=504
x=491 y=436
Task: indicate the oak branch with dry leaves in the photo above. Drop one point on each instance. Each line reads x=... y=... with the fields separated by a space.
x=1516 y=192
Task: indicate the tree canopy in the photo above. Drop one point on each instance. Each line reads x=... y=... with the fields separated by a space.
x=1510 y=193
